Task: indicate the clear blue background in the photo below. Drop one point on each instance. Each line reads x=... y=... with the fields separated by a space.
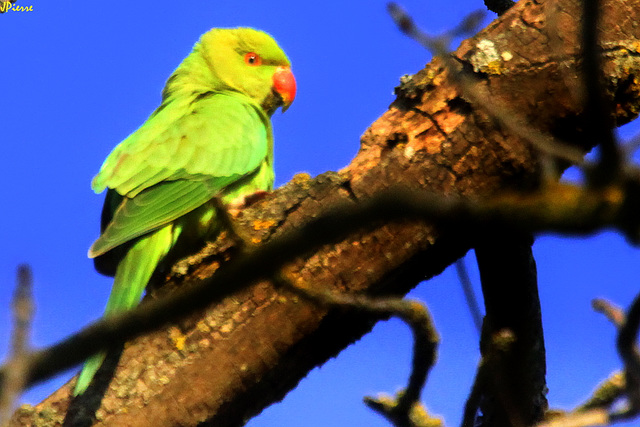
x=78 y=77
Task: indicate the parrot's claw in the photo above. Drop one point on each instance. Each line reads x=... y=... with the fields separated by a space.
x=236 y=205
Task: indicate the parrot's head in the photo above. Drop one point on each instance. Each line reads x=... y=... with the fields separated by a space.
x=250 y=62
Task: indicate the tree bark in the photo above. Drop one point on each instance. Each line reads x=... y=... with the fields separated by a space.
x=224 y=365
x=512 y=344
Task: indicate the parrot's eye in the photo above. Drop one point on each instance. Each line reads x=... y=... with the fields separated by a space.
x=252 y=58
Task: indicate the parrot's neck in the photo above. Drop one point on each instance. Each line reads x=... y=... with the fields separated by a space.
x=196 y=77
x=192 y=77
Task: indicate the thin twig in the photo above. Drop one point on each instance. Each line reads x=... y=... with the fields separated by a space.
x=626 y=343
x=628 y=325
x=18 y=364
x=590 y=418
x=606 y=393
x=413 y=313
x=472 y=403
x=614 y=313
x=597 y=410
x=469 y=294
x=418 y=415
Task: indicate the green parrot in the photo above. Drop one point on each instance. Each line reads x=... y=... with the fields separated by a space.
x=210 y=137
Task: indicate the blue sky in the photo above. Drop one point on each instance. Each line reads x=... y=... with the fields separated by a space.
x=78 y=78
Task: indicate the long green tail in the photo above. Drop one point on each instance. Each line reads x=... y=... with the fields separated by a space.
x=132 y=276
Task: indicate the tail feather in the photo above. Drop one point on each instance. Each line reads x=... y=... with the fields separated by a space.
x=132 y=276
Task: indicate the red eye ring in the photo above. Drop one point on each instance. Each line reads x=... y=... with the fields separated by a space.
x=252 y=59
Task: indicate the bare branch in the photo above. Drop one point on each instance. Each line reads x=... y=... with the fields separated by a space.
x=606 y=393
x=614 y=313
x=590 y=418
x=469 y=295
x=626 y=343
x=598 y=409
x=473 y=401
x=565 y=208
x=418 y=415
x=413 y=313
x=17 y=366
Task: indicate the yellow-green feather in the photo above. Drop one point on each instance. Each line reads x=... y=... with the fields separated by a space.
x=132 y=275
x=209 y=137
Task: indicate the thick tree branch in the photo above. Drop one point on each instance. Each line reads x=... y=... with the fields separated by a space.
x=232 y=359
x=513 y=390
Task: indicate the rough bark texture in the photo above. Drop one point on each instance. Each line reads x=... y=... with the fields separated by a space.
x=225 y=365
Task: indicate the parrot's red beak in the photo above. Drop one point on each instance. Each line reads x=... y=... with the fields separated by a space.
x=285 y=85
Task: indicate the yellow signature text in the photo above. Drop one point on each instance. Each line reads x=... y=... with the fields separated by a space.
x=6 y=6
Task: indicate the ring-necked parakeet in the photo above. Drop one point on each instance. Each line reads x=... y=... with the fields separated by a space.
x=210 y=137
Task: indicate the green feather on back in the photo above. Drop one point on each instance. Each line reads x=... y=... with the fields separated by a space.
x=186 y=165
x=210 y=137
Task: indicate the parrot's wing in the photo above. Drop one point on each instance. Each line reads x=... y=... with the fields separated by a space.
x=219 y=141
x=210 y=135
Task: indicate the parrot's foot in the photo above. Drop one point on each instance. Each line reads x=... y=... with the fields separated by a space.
x=239 y=203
